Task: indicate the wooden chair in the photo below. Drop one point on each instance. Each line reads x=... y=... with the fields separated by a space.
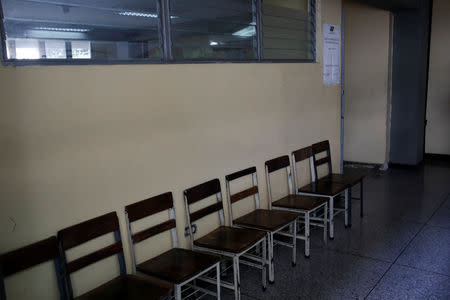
x=24 y=258
x=306 y=206
x=229 y=242
x=129 y=287
x=177 y=266
x=325 y=188
x=348 y=179
x=271 y=221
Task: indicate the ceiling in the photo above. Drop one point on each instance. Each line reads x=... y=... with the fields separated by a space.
x=392 y=5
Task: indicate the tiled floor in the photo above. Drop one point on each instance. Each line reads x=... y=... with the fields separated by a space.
x=399 y=250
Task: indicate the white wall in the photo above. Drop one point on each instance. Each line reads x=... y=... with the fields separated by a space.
x=366 y=83
x=437 y=138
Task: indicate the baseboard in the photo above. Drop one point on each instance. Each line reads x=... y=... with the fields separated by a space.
x=362 y=164
x=404 y=166
x=443 y=157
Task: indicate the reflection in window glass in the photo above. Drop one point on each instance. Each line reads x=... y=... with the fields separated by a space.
x=110 y=30
x=25 y=48
x=55 y=49
x=288 y=29
x=213 y=30
x=81 y=50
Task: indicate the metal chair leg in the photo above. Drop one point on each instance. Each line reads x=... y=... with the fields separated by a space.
x=270 y=258
x=362 y=199
x=264 y=264
x=237 y=283
x=350 y=207
x=294 y=244
x=307 y=235
x=177 y=291
x=331 y=210
x=346 y=209
x=325 y=224
x=218 y=280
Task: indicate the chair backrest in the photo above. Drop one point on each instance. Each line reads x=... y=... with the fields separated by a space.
x=83 y=232
x=30 y=256
x=299 y=156
x=318 y=148
x=200 y=192
x=252 y=191
x=146 y=208
x=275 y=165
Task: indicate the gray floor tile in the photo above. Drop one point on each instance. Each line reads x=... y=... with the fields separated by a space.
x=430 y=251
x=398 y=204
x=370 y=237
x=326 y=275
x=442 y=216
x=229 y=295
x=408 y=283
x=390 y=199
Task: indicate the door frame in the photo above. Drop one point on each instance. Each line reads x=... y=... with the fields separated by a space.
x=342 y=87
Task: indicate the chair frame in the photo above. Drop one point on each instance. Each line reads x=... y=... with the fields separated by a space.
x=332 y=210
x=308 y=219
x=65 y=245
x=81 y=233
x=30 y=256
x=324 y=146
x=147 y=211
x=254 y=191
x=236 y=286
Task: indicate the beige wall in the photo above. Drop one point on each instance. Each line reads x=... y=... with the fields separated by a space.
x=366 y=83
x=80 y=141
x=438 y=105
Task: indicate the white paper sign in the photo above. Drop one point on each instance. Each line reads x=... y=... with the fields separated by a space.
x=331 y=54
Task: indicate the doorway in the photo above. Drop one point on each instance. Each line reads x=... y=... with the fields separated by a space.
x=367 y=82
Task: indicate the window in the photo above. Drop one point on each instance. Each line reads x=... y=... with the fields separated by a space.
x=101 y=30
x=156 y=31
x=213 y=30
x=288 y=29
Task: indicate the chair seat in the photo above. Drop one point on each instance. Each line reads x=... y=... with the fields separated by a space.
x=300 y=202
x=325 y=188
x=268 y=220
x=230 y=239
x=177 y=265
x=346 y=179
x=129 y=287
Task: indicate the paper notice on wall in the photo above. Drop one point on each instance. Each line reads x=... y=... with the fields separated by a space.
x=331 y=54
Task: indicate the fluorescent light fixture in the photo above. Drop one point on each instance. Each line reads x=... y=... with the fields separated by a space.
x=246 y=32
x=62 y=29
x=137 y=14
x=142 y=15
x=213 y=43
x=50 y=34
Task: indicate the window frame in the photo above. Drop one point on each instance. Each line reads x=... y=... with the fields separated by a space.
x=166 y=45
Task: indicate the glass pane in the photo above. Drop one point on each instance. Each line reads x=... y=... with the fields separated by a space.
x=110 y=30
x=288 y=29
x=213 y=30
